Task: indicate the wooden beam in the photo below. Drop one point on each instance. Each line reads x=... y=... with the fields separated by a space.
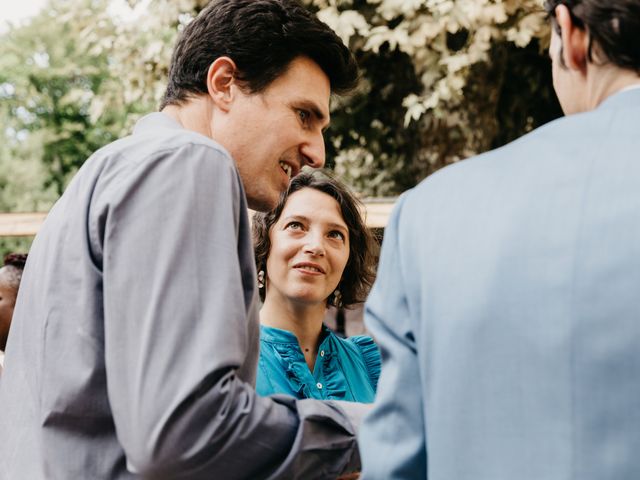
x=20 y=224
x=377 y=211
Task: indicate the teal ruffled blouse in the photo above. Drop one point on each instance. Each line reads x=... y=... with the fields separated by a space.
x=345 y=369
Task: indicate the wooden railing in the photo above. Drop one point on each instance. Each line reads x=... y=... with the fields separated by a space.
x=20 y=224
x=377 y=212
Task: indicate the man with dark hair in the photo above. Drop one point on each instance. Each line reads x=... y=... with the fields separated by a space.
x=506 y=304
x=135 y=337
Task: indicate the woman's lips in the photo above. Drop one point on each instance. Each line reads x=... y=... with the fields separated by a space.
x=309 y=268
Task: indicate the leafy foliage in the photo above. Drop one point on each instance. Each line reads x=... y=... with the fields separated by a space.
x=444 y=80
x=54 y=81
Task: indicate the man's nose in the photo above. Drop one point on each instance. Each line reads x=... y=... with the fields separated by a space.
x=313 y=152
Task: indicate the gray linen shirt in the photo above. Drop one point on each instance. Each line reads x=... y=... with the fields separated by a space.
x=134 y=344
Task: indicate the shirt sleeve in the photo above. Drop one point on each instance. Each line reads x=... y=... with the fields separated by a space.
x=370 y=355
x=176 y=332
x=392 y=439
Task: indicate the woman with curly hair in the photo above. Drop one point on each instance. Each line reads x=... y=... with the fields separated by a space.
x=312 y=251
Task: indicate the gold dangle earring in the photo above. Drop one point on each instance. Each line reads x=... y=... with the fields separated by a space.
x=337 y=298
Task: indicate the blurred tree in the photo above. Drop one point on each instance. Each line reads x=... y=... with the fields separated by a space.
x=49 y=125
x=50 y=82
x=21 y=184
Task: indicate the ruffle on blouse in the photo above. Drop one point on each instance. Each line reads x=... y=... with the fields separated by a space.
x=333 y=375
x=370 y=355
x=289 y=358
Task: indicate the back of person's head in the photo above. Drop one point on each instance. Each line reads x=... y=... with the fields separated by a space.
x=359 y=271
x=613 y=26
x=10 y=276
x=15 y=263
x=262 y=37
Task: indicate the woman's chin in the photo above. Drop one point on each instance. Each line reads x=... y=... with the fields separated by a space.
x=309 y=300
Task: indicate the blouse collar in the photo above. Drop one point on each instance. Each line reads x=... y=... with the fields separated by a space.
x=278 y=335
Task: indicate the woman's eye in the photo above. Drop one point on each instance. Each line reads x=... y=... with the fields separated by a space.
x=293 y=226
x=336 y=234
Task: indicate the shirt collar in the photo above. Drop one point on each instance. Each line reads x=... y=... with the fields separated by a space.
x=155 y=120
x=627 y=96
x=630 y=87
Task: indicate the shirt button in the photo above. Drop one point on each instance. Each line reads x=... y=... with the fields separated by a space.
x=319 y=385
x=322 y=353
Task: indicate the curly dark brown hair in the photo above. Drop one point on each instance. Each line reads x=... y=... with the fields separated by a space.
x=359 y=272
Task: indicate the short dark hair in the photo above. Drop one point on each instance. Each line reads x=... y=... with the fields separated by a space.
x=359 y=271
x=262 y=37
x=14 y=262
x=613 y=26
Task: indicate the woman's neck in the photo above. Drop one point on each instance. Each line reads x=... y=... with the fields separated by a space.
x=303 y=320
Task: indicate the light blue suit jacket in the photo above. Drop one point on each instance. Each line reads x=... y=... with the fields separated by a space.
x=507 y=309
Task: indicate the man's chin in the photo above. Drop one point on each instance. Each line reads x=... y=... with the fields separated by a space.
x=262 y=204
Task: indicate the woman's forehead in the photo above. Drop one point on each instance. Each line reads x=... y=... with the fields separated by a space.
x=314 y=205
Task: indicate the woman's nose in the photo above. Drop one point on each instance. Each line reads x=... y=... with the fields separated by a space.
x=314 y=246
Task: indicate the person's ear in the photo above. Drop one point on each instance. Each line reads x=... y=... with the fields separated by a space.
x=575 y=41
x=220 y=80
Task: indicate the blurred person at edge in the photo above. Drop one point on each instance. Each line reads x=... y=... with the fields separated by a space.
x=10 y=275
x=506 y=303
x=313 y=250
x=134 y=345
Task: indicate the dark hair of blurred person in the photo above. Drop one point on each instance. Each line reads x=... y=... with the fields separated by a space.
x=10 y=276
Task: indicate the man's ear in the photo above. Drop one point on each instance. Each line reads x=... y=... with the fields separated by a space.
x=220 y=79
x=575 y=41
